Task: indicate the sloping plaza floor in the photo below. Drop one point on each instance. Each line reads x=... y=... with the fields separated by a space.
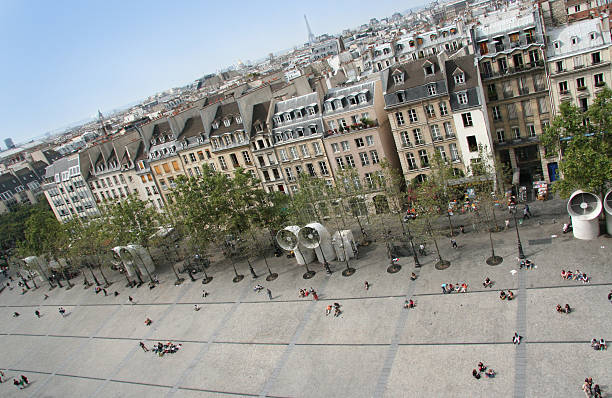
x=242 y=344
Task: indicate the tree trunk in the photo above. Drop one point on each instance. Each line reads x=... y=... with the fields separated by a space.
x=67 y=278
x=106 y=282
x=450 y=224
x=85 y=281
x=435 y=241
x=492 y=248
x=93 y=275
x=145 y=266
x=33 y=281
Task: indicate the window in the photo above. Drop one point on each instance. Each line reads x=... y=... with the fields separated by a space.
x=350 y=161
x=576 y=9
x=316 y=147
x=283 y=155
x=246 y=157
x=304 y=150
x=340 y=163
x=424 y=158
x=323 y=168
x=496 y=113
x=435 y=133
x=559 y=65
x=363 y=156
x=443 y=109
x=428 y=68
x=599 y=80
x=164 y=166
x=192 y=157
x=311 y=170
x=472 y=144
x=399 y=117
x=369 y=140
x=454 y=152
x=226 y=122
x=175 y=165
x=526 y=105
x=277 y=119
x=335 y=147
x=580 y=83
x=459 y=78
x=368 y=179
x=289 y=174
x=448 y=130
x=563 y=87
x=299 y=170
x=545 y=124
x=584 y=104
x=418 y=137
x=411 y=161
x=578 y=62
x=310 y=110
x=516 y=132
x=398 y=78
x=507 y=89
x=294 y=153
x=374 y=156
x=345 y=146
x=412 y=116
x=531 y=130
x=331 y=124
x=442 y=153
x=511 y=108
x=501 y=137
x=405 y=136
x=429 y=109
x=462 y=98
x=467 y=119
x=431 y=89
x=288 y=117
x=222 y=163
x=359 y=142
x=543 y=105
x=539 y=83
x=596 y=57
x=342 y=122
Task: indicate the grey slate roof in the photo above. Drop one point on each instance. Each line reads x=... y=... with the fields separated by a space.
x=414 y=74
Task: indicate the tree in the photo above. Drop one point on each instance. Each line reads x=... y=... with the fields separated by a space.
x=584 y=143
x=13 y=223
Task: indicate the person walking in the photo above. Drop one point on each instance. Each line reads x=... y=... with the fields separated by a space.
x=315 y=296
x=143 y=346
x=443 y=288
x=37 y=313
x=131 y=299
x=18 y=383
x=269 y=294
x=366 y=285
x=527 y=210
x=62 y=311
x=454 y=243
x=105 y=292
x=507 y=224
x=25 y=380
x=526 y=213
x=252 y=271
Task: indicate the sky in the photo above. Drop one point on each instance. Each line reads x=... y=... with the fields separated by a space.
x=64 y=60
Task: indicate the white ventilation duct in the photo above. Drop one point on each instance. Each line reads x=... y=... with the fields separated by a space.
x=607 y=205
x=36 y=264
x=142 y=257
x=288 y=240
x=344 y=246
x=584 y=209
x=315 y=236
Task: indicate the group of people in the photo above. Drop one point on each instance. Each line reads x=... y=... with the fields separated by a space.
x=408 y=304
x=565 y=310
x=21 y=383
x=503 y=295
x=591 y=390
x=307 y=292
x=599 y=345
x=576 y=276
x=483 y=369
x=335 y=307
x=161 y=349
x=450 y=288
x=525 y=263
x=487 y=282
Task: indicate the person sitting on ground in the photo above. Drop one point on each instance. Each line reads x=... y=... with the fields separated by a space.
x=568 y=275
x=196 y=307
x=528 y=264
x=475 y=374
x=585 y=278
x=487 y=282
x=337 y=311
x=328 y=310
x=301 y=293
x=490 y=373
x=559 y=309
x=413 y=276
x=502 y=295
x=451 y=288
x=258 y=288
x=409 y=304
x=16 y=314
x=463 y=287
x=563 y=274
x=516 y=339
x=567 y=309
x=595 y=345
x=116 y=293
x=510 y=295
x=481 y=367
x=148 y=321
x=602 y=344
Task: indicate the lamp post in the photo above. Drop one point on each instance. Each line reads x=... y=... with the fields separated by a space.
x=521 y=255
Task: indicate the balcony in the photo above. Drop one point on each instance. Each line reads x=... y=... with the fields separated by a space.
x=523 y=90
x=511 y=71
x=437 y=138
x=600 y=84
x=354 y=127
x=406 y=145
x=419 y=142
x=521 y=141
x=450 y=136
x=581 y=88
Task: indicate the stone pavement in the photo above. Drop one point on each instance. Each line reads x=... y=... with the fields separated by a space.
x=242 y=344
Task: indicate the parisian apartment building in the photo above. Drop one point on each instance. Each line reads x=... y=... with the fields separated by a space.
x=491 y=82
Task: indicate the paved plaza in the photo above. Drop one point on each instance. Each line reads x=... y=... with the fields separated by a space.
x=242 y=344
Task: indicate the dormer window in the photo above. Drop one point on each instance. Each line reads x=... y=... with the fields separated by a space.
x=462 y=98
x=170 y=137
x=238 y=119
x=431 y=89
x=287 y=117
x=329 y=107
x=593 y=35
x=352 y=100
x=428 y=68
x=574 y=40
x=277 y=119
x=226 y=122
x=215 y=125
x=310 y=110
x=298 y=113
x=459 y=76
x=362 y=98
x=338 y=104
x=398 y=77
x=557 y=44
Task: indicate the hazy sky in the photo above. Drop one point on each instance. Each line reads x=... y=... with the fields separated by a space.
x=62 y=60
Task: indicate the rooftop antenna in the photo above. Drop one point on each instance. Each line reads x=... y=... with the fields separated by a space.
x=311 y=36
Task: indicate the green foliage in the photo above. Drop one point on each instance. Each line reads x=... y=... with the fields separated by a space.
x=131 y=221
x=13 y=223
x=585 y=145
x=44 y=235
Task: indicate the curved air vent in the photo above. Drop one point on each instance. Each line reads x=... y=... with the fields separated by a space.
x=286 y=239
x=584 y=205
x=309 y=237
x=608 y=202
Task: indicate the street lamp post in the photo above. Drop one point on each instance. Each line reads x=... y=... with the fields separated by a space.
x=417 y=264
x=521 y=255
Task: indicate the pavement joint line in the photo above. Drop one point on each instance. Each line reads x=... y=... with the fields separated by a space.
x=69 y=357
x=202 y=303
x=228 y=314
x=520 y=362
x=292 y=343
x=383 y=378
x=135 y=348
